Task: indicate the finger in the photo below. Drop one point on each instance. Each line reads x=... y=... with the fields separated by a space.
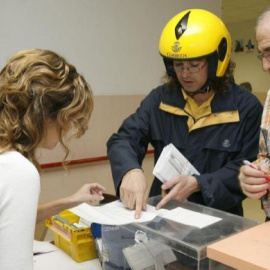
x=128 y=200
x=131 y=202
x=171 y=183
x=165 y=200
x=173 y=193
x=98 y=191
x=138 y=210
x=97 y=197
x=144 y=206
x=254 y=190
x=247 y=171
x=123 y=198
x=255 y=195
x=98 y=187
x=256 y=182
x=139 y=206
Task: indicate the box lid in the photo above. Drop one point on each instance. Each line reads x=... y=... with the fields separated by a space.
x=249 y=249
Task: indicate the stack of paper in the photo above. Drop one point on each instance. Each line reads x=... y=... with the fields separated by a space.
x=106 y=214
x=172 y=163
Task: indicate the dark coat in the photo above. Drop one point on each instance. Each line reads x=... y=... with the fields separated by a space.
x=216 y=145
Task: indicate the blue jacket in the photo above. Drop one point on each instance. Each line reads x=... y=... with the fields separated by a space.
x=215 y=146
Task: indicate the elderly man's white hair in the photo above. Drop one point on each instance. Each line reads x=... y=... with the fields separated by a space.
x=265 y=14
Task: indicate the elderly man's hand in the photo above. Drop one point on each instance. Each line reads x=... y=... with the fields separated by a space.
x=253 y=182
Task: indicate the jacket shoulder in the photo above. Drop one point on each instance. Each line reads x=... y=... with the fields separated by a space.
x=246 y=97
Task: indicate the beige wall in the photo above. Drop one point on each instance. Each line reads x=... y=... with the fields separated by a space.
x=114 y=43
x=248 y=66
x=261 y=95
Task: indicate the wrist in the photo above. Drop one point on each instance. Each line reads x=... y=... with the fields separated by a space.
x=133 y=170
x=72 y=200
x=196 y=184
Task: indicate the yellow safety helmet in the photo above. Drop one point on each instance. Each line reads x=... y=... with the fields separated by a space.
x=194 y=34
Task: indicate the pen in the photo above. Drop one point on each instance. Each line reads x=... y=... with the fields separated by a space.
x=266 y=176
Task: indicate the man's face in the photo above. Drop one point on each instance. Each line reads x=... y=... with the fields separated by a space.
x=263 y=42
x=192 y=75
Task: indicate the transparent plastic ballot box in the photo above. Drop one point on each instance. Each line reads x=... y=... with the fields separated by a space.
x=166 y=244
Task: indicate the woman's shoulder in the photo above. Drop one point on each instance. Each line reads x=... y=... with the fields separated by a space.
x=19 y=163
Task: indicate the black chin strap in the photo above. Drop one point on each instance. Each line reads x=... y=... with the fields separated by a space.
x=205 y=89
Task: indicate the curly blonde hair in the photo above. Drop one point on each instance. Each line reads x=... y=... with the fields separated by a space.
x=37 y=86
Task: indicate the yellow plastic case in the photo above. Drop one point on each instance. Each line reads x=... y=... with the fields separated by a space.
x=76 y=242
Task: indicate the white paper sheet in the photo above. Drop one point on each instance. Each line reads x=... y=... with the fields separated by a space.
x=114 y=213
x=192 y=218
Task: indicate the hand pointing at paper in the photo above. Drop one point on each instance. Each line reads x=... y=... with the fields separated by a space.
x=133 y=191
x=181 y=187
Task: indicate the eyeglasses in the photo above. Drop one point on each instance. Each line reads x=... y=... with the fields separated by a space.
x=264 y=55
x=192 y=69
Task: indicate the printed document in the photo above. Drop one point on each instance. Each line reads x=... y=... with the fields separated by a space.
x=172 y=163
x=114 y=213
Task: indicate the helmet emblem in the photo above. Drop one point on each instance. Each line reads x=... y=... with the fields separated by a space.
x=176 y=47
x=181 y=27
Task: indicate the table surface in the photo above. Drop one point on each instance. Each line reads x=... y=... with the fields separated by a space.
x=58 y=259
